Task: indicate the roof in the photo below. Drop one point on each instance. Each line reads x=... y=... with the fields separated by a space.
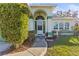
x=65 y=18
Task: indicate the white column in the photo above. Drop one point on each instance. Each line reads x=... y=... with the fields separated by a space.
x=58 y=26
x=71 y=24
x=49 y=25
x=64 y=25
x=31 y=25
x=45 y=25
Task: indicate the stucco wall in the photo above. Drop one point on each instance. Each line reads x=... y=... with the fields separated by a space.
x=49 y=24
x=71 y=23
x=31 y=25
x=48 y=11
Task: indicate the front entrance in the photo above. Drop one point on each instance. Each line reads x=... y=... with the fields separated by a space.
x=40 y=26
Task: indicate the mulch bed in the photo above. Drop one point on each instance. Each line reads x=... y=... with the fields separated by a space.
x=26 y=45
x=12 y=50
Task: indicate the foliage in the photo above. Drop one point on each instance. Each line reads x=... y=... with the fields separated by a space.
x=65 y=46
x=74 y=40
x=31 y=36
x=76 y=30
x=76 y=27
x=14 y=22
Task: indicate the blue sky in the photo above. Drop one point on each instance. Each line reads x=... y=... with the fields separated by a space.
x=66 y=7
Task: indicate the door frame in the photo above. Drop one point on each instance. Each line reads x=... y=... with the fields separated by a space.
x=43 y=25
x=41 y=30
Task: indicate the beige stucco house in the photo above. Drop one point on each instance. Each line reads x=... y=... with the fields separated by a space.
x=45 y=21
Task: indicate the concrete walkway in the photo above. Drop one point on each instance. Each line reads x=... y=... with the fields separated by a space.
x=39 y=48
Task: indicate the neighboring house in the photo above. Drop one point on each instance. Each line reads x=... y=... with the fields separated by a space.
x=44 y=21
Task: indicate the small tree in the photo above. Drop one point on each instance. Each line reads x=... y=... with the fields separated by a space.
x=76 y=30
x=14 y=22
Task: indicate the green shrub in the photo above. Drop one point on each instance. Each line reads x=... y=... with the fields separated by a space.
x=74 y=40
x=31 y=38
x=14 y=22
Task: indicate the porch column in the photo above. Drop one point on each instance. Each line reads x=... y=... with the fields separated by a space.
x=31 y=25
x=49 y=28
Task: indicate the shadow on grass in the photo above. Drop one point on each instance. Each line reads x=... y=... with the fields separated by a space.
x=64 y=46
x=65 y=40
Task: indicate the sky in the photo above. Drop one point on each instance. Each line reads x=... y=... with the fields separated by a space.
x=67 y=6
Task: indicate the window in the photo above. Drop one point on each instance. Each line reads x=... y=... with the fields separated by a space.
x=56 y=25
x=66 y=26
x=61 y=26
x=39 y=27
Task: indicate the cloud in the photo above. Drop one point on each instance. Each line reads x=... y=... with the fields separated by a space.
x=58 y=9
x=72 y=7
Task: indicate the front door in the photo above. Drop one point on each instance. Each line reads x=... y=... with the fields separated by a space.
x=40 y=26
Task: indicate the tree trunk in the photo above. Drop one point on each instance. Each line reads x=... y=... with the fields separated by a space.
x=17 y=46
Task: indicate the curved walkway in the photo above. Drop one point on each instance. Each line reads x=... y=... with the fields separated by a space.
x=39 y=48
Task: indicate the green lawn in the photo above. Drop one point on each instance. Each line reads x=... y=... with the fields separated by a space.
x=65 y=46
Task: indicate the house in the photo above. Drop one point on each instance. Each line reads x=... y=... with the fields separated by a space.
x=44 y=21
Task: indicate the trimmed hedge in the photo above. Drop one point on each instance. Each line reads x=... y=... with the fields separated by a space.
x=14 y=22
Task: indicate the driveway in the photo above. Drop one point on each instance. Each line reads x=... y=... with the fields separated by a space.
x=4 y=46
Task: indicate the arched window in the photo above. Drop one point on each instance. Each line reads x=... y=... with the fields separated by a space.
x=39 y=17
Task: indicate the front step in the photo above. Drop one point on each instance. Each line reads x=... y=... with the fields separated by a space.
x=39 y=35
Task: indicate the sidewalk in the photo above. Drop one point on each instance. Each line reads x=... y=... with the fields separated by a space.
x=39 y=48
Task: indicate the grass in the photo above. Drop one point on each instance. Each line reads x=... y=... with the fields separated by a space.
x=65 y=46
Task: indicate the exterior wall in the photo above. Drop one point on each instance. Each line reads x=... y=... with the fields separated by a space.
x=49 y=27
x=51 y=23
x=71 y=23
x=47 y=10
x=31 y=25
x=50 y=19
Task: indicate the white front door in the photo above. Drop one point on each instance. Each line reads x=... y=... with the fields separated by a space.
x=40 y=26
